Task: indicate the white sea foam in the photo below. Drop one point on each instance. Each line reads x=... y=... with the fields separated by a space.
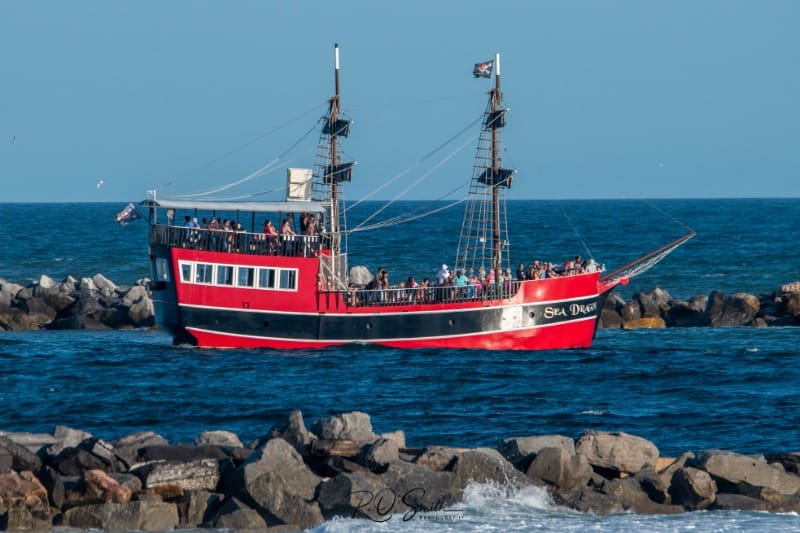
x=490 y=508
x=595 y=412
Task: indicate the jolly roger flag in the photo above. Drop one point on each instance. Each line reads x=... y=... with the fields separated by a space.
x=483 y=70
x=127 y=215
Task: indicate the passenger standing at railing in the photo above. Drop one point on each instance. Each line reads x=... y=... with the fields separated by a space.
x=213 y=238
x=287 y=236
x=443 y=275
x=271 y=236
x=240 y=237
x=227 y=228
x=286 y=227
x=506 y=283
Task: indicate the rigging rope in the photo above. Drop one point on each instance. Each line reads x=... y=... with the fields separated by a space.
x=415 y=183
x=263 y=170
x=407 y=218
x=575 y=230
x=252 y=141
x=416 y=163
x=667 y=215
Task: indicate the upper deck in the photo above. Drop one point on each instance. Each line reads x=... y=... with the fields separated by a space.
x=241 y=242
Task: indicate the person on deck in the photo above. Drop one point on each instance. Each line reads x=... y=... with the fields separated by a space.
x=521 y=274
x=443 y=275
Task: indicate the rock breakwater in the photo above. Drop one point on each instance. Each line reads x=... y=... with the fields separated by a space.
x=88 y=303
x=294 y=477
x=657 y=309
x=99 y=303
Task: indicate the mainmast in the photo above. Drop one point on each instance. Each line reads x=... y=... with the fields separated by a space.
x=496 y=99
x=484 y=236
x=333 y=116
x=329 y=172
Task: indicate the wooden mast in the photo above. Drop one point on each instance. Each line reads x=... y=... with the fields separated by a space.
x=334 y=116
x=496 y=240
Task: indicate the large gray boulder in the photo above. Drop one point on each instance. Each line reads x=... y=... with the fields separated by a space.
x=381 y=453
x=438 y=458
x=414 y=488
x=201 y=474
x=32 y=441
x=292 y=430
x=17 y=457
x=559 y=467
x=55 y=295
x=134 y=294
x=38 y=310
x=196 y=508
x=128 y=447
x=15 y=319
x=235 y=515
x=276 y=481
x=724 y=311
x=5 y=299
x=355 y=426
x=218 y=438
x=653 y=304
x=104 y=285
x=487 y=466
x=11 y=288
x=730 y=469
x=688 y=314
x=142 y=313
x=131 y=516
x=90 y=454
x=617 y=451
x=631 y=311
x=520 y=451
x=628 y=493
x=352 y=495
x=692 y=488
x=67 y=438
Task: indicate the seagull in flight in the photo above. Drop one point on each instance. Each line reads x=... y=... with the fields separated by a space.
x=100 y=183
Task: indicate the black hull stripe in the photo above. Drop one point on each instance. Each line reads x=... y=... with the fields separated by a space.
x=386 y=326
x=375 y=340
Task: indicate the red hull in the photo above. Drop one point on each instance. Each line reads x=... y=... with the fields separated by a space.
x=533 y=315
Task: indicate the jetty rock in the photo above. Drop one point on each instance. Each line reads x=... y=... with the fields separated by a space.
x=98 y=303
x=657 y=309
x=72 y=479
x=89 y=303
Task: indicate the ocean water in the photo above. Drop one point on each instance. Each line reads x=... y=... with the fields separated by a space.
x=683 y=389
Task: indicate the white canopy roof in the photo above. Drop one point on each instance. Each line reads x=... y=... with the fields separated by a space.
x=255 y=207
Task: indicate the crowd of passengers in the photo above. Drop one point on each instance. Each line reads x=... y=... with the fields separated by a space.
x=230 y=236
x=454 y=287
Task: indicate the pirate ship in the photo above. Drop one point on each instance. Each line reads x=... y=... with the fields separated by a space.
x=215 y=286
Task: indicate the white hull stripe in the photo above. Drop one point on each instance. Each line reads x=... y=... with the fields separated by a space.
x=390 y=313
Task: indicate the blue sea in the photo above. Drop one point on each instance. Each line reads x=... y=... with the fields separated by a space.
x=683 y=389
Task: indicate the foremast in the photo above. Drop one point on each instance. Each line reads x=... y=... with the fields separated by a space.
x=329 y=172
x=483 y=244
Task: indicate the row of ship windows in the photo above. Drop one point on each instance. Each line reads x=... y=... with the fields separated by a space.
x=239 y=276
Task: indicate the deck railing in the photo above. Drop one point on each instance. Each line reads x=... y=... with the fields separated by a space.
x=429 y=295
x=235 y=241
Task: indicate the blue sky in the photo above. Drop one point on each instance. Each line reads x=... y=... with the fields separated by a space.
x=614 y=99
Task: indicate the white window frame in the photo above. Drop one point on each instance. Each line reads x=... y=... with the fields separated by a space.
x=196 y=267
